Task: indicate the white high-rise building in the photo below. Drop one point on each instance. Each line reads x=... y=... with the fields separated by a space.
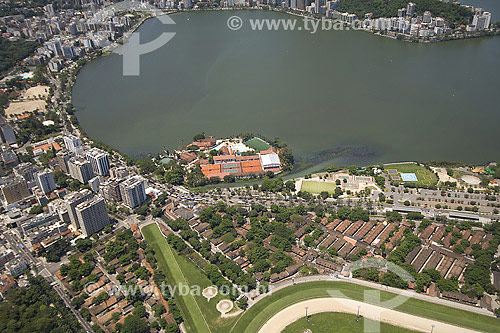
x=50 y=9
x=317 y=6
x=92 y=215
x=73 y=144
x=81 y=169
x=73 y=200
x=99 y=160
x=133 y=191
x=482 y=21
x=94 y=183
x=410 y=9
x=45 y=181
x=427 y=18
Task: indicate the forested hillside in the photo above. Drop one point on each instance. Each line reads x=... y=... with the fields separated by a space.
x=455 y=14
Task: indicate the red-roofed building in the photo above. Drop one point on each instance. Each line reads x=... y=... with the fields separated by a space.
x=205 y=143
x=224 y=159
x=210 y=170
x=41 y=149
x=187 y=156
x=251 y=167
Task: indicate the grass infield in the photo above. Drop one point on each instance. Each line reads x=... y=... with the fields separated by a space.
x=201 y=315
x=261 y=312
x=337 y=322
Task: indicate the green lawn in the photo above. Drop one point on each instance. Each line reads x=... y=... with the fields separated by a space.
x=202 y=316
x=257 y=315
x=199 y=314
x=337 y=322
x=257 y=144
x=425 y=177
x=312 y=186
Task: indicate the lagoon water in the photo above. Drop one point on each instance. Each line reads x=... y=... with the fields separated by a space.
x=390 y=100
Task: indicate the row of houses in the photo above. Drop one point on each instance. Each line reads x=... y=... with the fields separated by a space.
x=438 y=234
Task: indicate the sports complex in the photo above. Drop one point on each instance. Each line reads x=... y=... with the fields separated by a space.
x=284 y=309
x=411 y=173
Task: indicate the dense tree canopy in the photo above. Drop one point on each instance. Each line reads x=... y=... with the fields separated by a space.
x=455 y=14
x=36 y=308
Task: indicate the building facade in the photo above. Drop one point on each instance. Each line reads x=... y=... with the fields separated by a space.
x=81 y=169
x=14 y=190
x=73 y=144
x=99 y=160
x=92 y=215
x=45 y=181
x=73 y=200
x=133 y=191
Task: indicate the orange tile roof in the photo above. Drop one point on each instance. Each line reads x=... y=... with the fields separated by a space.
x=268 y=151
x=248 y=158
x=251 y=166
x=188 y=156
x=210 y=167
x=210 y=170
x=224 y=157
x=48 y=146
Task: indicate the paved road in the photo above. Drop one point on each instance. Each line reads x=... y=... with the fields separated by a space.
x=48 y=276
x=292 y=313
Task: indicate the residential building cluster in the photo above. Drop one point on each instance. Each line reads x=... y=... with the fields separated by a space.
x=117 y=305
x=350 y=238
x=67 y=33
x=480 y=21
x=84 y=210
x=406 y=22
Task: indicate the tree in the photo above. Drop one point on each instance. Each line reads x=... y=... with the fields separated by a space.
x=35 y=210
x=139 y=311
x=286 y=158
x=175 y=174
x=229 y=179
x=85 y=313
x=84 y=244
x=448 y=284
x=199 y=136
x=158 y=309
x=242 y=303
x=393 y=216
x=102 y=297
x=134 y=324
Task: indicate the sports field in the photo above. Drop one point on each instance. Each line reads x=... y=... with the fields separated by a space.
x=424 y=176
x=199 y=314
x=257 y=315
x=337 y=322
x=312 y=186
x=257 y=144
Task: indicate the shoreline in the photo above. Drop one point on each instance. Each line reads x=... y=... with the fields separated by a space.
x=308 y=164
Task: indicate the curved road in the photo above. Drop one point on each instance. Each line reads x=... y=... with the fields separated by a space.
x=294 y=312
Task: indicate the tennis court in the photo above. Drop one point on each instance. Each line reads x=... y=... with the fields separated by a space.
x=409 y=177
